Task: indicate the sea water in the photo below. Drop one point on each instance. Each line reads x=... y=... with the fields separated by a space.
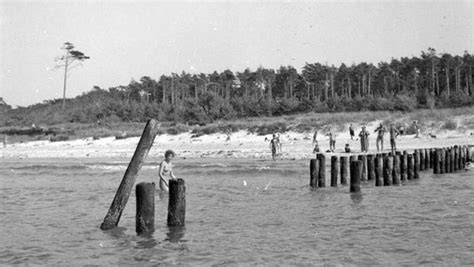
x=238 y=212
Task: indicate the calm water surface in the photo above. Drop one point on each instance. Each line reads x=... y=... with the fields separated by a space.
x=51 y=211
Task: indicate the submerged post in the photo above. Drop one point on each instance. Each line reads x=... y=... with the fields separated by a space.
x=177 y=202
x=145 y=216
x=378 y=170
x=356 y=166
x=371 y=167
x=313 y=173
x=322 y=170
x=403 y=166
x=410 y=167
x=387 y=170
x=344 y=169
x=123 y=192
x=363 y=159
x=334 y=170
x=396 y=170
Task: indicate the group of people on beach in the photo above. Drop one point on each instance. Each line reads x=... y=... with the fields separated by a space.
x=363 y=137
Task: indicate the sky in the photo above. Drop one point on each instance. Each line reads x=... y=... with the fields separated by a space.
x=127 y=40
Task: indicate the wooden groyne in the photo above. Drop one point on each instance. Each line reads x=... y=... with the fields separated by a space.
x=385 y=169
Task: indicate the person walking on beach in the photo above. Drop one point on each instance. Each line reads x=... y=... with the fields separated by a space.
x=315 y=136
x=274 y=146
x=364 y=139
x=417 y=129
x=351 y=131
x=278 y=142
x=316 y=148
x=332 y=140
x=166 y=170
x=380 y=133
x=393 y=134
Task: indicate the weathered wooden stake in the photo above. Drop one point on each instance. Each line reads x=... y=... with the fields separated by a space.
x=451 y=159
x=363 y=158
x=463 y=158
x=123 y=192
x=432 y=156
x=145 y=216
x=396 y=170
x=313 y=173
x=427 y=159
x=410 y=167
x=442 y=162
x=371 y=167
x=436 y=161
x=422 y=159
x=356 y=166
x=403 y=166
x=387 y=170
x=455 y=158
x=468 y=154
x=334 y=170
x=322 y=170
x=378 y=170
x=345 y=168
x=416 y=156
x=446 y=160
x=177 y=202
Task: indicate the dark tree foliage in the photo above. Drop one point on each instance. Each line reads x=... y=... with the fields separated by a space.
x=430 y=81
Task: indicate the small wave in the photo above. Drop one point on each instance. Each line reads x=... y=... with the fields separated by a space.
x=37 y=167
x=213 y=165
x=262 y=168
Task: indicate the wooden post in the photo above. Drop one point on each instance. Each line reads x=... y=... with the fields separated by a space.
x=468 y=154
x=427 y=158
x=371 y=167
x=396 y=170
x=123 y=192
x=432 y=156
x=416 y=167
x=463 y=158
x=177 y=202
x=322 y=170
x=446 y=160
x=455 y=158
x=422 y=159
x=334 y=170
x=345 y=169
x=352 y=158
x=410 y=167
x=387 y=170
x=356 y=166
x=441 y=161
x=403 y=166
x=363 y=176
x=459 y=159
x=313 y=173
x=436 y=160
x=451 y=159
x=145 y=217
x=378 y=170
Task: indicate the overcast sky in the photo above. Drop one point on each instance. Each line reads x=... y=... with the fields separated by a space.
x=128 y=40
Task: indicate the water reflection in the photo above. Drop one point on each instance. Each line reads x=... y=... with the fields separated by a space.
x=175 y=233
x=146 y=241
x=356 y=198
x=116 y=232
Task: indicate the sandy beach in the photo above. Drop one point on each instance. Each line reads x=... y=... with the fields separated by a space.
x=241 y=145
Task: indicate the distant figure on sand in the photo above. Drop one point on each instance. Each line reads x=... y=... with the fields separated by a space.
x=166 y=170
x=316 y=147
x=351 y=131
x=228 y=133
x=347 y=149
x=315 y=136
x=4 y=141
x=332 y=140
x=417 y=129
x=380 y=133
x=274 y=146
x=364 y=139
x=393 y=134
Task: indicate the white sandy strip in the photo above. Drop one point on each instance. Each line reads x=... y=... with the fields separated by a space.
x=242 y=145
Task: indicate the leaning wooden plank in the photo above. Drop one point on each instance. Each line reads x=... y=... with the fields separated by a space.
x=123 y=192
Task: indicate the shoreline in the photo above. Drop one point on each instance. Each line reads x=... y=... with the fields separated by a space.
x=241 y=145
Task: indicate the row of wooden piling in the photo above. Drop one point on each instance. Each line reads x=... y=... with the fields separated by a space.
x=386 y=168
x=145 y=216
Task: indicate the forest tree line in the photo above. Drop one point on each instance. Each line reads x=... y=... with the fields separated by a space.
x=429 y=81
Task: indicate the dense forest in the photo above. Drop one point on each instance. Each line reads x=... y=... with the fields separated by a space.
x=431 y=80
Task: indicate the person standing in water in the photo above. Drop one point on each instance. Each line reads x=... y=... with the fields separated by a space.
x=315 y=137
x=364 y=140
x=380 y=133
x=166 y=170
x=393 y=134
